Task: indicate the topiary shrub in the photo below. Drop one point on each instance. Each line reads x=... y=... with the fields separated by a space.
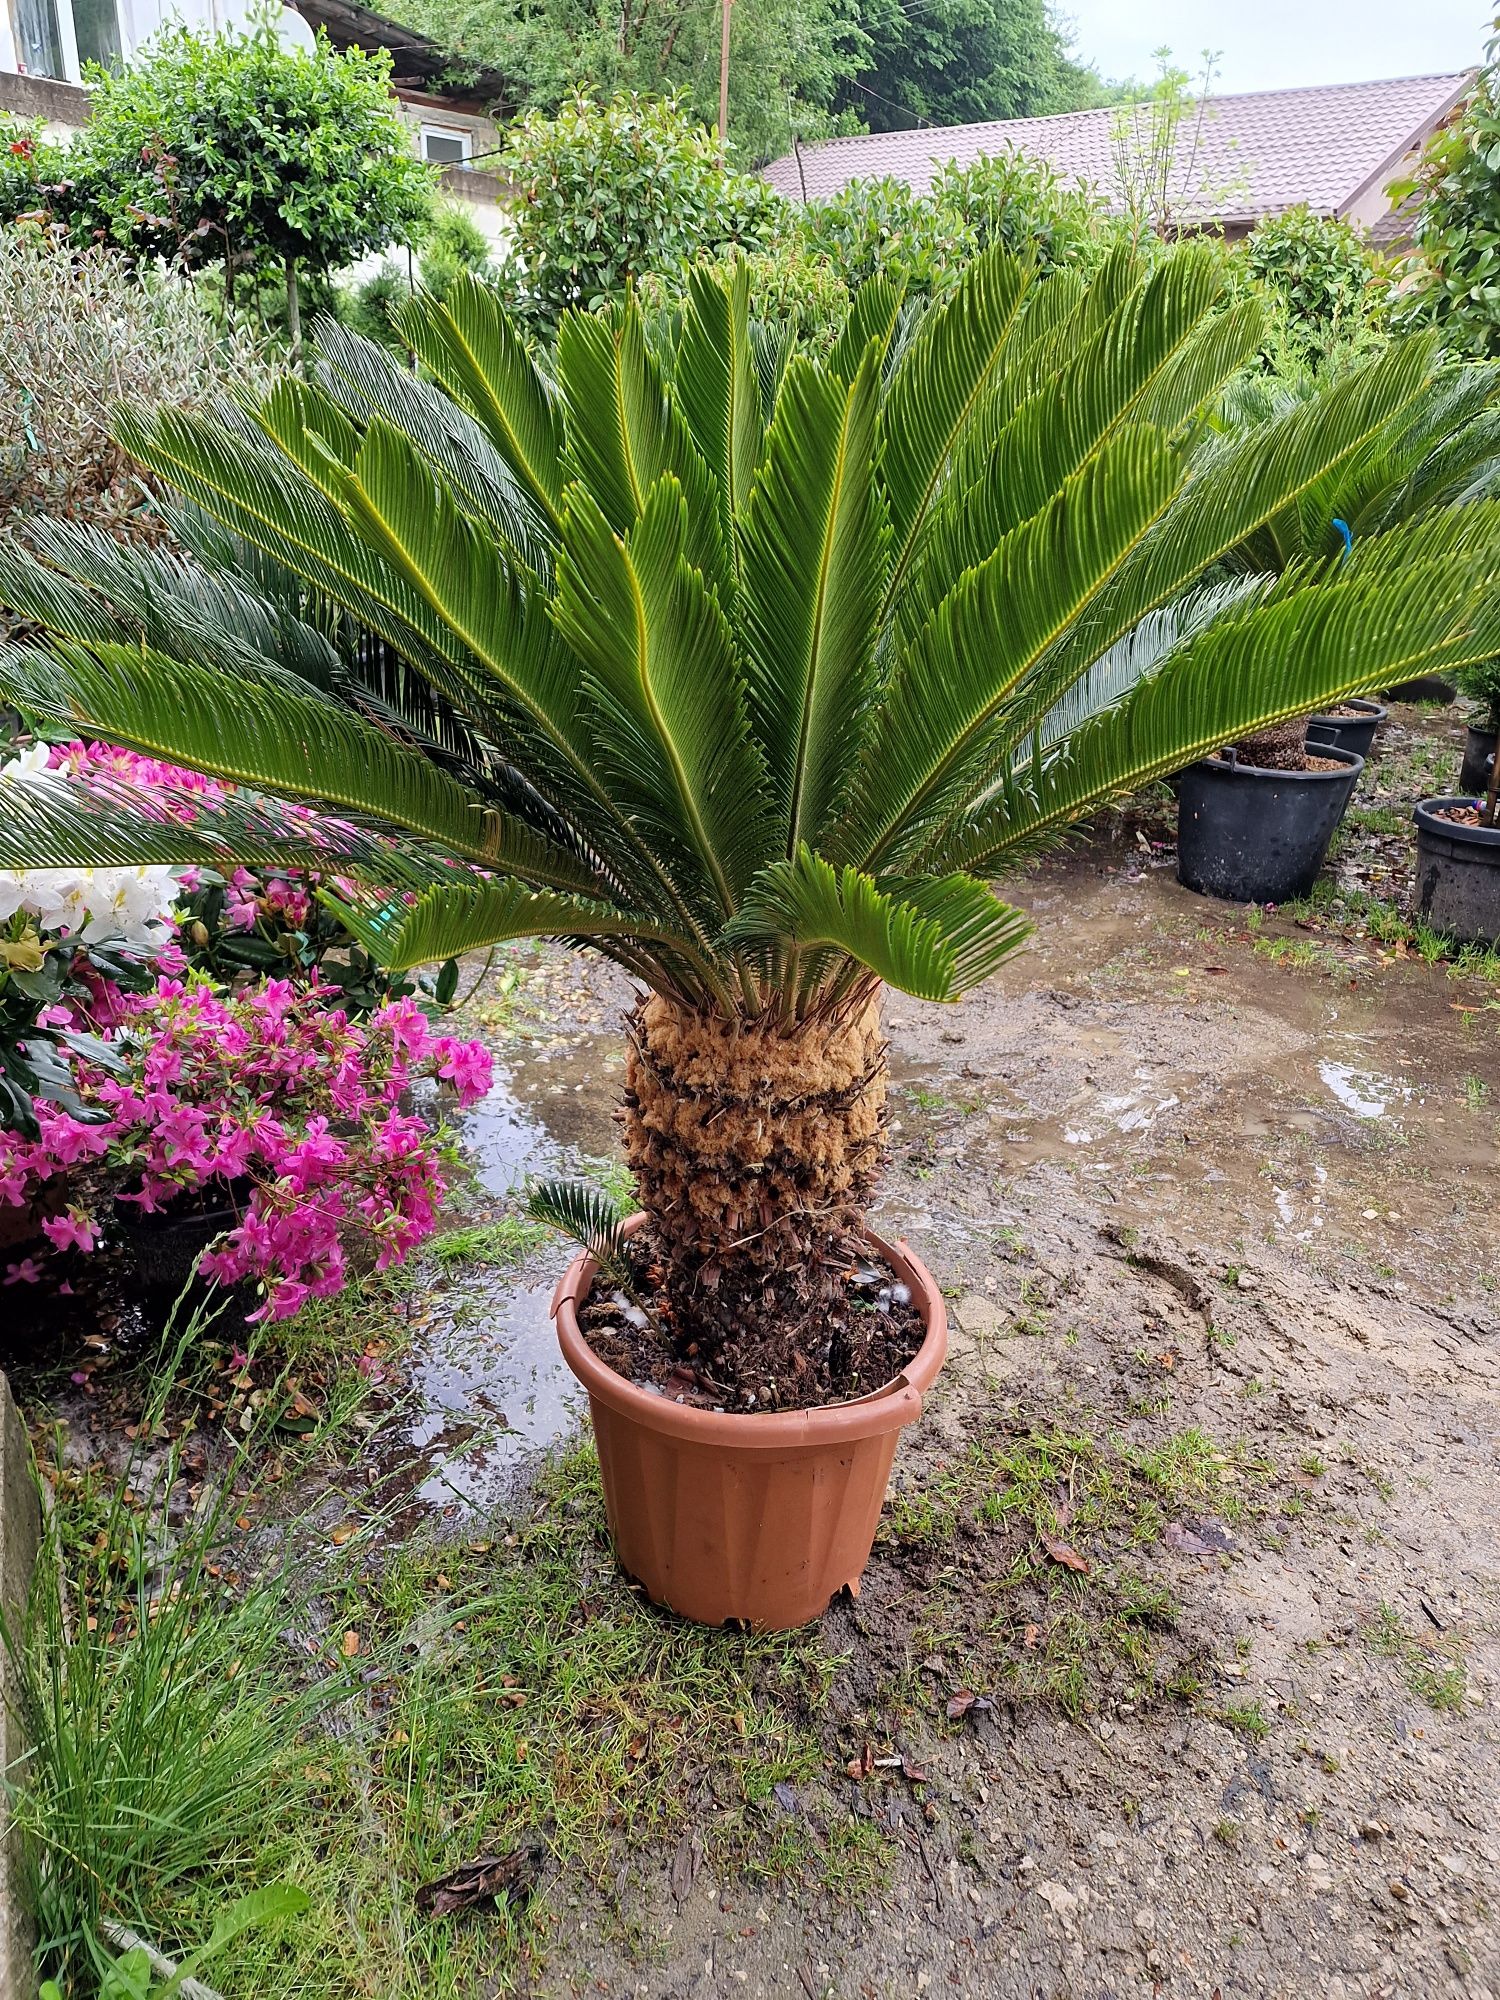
x=1026 y=205
x=612 y=191
x=1325 y=281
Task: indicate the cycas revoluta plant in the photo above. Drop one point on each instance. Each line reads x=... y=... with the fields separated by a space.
x=1440 y=448
x=753 y=683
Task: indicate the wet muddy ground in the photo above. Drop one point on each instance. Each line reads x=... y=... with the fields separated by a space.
x=1178 y=1176
x=1204 y=1189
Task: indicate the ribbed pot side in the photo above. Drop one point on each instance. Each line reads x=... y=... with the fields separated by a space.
x=757 y=1519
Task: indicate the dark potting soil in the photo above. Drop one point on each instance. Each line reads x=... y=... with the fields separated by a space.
x=1291 y=761
x=834 y=1355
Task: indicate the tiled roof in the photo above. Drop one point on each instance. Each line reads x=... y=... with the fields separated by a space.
x=1253 y=155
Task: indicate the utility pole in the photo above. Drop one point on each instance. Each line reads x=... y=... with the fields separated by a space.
x=724 y=76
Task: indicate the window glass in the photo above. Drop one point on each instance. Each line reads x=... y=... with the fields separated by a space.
x=38 y=42
x=446 y=149
x=97 y=26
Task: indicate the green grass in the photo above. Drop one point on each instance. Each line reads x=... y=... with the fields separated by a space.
x=1355 y=913
x=1018 y=1617
x=501 y=1244
x=1434 y=1675
x=352 y=1720
x=1248 y=1717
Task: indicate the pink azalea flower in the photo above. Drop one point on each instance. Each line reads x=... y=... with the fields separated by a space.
x=71 y=1230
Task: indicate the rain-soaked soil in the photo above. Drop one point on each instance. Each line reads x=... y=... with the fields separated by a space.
x=1178 y=1172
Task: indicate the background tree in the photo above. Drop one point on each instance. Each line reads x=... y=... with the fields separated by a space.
x=1452 y=279
x=788 y=57
x=1327 y=285
x=956 y=62
x=240 y=152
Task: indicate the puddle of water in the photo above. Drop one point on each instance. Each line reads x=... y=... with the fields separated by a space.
x=1364 y=1092
x=1134 y=1049
x=505 y=1141
x=491 y=1387
x=488 y=1383
x=543 y=1105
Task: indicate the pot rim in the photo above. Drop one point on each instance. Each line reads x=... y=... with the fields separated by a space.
x=1484 y=837
x=1363 y=702
x=890 y=1407
x=1231 y=768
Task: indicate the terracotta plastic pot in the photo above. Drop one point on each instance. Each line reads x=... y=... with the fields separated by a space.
x=758 y=1519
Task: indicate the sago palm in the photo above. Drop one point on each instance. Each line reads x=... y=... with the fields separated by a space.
x=750 y=678
x=1440 y=448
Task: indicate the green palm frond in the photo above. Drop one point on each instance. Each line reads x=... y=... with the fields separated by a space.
x=446 y=919
x=253 y=728
x=874 y=316
x=743 y=667
x=989 y=634
x=669 y=728
x=372 y=383
x=589 y=1217
x=1269 y=660
x=813 y=563
x=940 y=386
x=471 y=348
x=67 y=576
x=717 y=387
x=931 y=938
x=625 y=431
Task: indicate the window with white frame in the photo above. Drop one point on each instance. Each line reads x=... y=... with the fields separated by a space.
x=56 y=38
x=447 y=145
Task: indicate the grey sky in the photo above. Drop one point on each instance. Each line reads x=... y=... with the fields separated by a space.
x=1269 y=44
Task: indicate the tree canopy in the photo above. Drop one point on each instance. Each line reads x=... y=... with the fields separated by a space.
x=799 y=68
x=958 y=62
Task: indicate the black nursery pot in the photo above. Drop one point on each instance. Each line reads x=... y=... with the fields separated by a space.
x=1458 y=874
x=1256 y=836
x=1479 y=753
x=1348 y=732
x=165 y=1248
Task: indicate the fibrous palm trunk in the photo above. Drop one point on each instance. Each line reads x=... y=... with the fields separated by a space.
x=755 y=1150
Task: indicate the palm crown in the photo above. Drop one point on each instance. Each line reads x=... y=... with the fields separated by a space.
x=747 y=670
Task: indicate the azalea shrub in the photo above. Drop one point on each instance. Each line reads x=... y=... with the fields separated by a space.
x=271 y=1103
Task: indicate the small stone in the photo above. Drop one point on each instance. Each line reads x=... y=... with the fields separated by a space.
x=1027 y=1864
x=1246 y=1281
x=1400 y=1891
x=1059 y=1899
x=1319 y=1872
x=1370 y=1214
x=1145 y=1919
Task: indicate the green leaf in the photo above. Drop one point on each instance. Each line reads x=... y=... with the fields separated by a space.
x=668 y=722
x=716 y=386
x=940 y=384
x=449 y=919
x=473 y=350
x=624 y=433
x=587 y=1214
x=931 y=939
x=813 y=561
